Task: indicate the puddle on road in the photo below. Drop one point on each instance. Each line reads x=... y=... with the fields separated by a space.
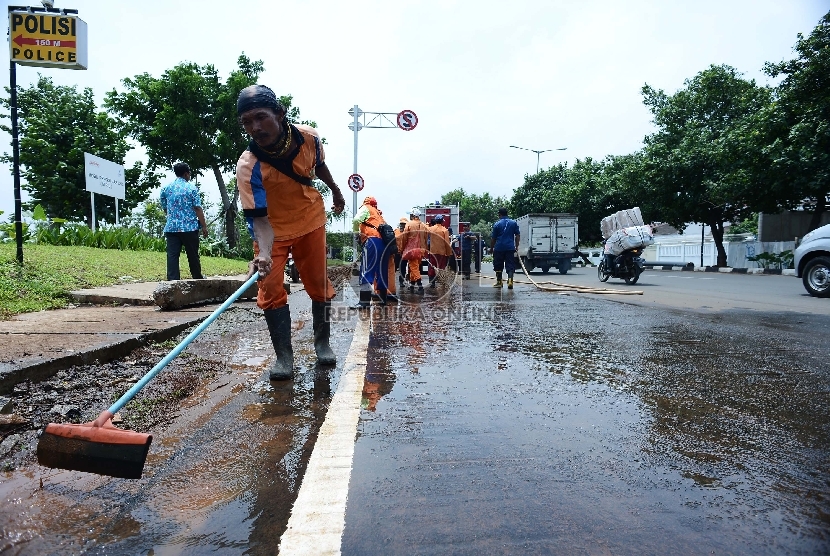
x=705 y=430
x=221 y=477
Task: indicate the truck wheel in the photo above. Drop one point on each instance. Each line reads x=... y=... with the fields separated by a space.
x=816 y=277
x=528 y=264
x=603 y=277
x=545 y=269
x=563 y=270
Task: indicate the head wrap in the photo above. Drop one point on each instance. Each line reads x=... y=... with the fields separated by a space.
x=370 y=201
x=439 y=218
x=403 y=220
x=257 y=96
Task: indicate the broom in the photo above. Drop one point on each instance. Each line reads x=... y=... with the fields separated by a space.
x=100 y=447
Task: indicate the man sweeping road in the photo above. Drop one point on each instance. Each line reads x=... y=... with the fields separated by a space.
x=285 y=213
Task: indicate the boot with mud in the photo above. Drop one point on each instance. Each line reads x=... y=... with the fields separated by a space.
x=509 y=281
x=321 y=319
x=279 y=326
x=498 y=283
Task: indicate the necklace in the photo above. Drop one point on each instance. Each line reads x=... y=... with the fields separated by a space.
x=284 y=144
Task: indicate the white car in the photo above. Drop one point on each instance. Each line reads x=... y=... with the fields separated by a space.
x=812 y=261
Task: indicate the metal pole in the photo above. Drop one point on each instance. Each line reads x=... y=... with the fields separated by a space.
x=537 y=162
x=116 y=211
x=702 y=229
x=92 y=201
x=18 y=209
x=354 y=193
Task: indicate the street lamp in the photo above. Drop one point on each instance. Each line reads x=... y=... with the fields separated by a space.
x=538 y=153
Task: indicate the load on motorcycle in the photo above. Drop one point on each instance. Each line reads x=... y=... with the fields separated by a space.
x=625 y=238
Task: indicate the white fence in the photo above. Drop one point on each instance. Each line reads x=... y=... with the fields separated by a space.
x=737 y=253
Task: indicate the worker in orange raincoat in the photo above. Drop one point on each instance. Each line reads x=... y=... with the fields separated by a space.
x=439 y=248
x=415 y=235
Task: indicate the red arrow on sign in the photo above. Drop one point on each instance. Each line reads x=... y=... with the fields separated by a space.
x=20 y=41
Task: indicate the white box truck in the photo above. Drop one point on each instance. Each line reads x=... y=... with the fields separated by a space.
x=548 y=240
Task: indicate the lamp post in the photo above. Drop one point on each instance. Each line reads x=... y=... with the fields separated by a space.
x=538 y=153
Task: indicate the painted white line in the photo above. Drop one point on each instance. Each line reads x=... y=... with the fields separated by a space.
x=319 y=514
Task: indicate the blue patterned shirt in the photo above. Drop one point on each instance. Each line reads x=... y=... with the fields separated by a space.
x=177 y=201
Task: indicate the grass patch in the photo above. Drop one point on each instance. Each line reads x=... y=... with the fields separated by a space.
x=50 y=272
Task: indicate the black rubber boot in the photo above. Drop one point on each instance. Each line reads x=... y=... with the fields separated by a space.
x=321 y=318
x=365 y=300
x=279 y=326
x=384 y=296
x=420 y=287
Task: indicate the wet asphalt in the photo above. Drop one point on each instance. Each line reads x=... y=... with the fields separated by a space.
x=492 y=421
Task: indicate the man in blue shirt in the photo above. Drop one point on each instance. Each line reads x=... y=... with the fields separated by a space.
x=505 y=242
x=181 y=203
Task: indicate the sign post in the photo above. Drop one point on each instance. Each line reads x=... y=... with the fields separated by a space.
x=104 y=177
x=43 y=37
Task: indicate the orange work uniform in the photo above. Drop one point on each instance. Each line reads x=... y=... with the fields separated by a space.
x=415 y=228
x=296 y=213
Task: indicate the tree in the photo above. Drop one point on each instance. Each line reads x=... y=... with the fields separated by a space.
x=189 y=115
x=57 y=125
x=796 y=127
x=694 y=165
x=481 y=211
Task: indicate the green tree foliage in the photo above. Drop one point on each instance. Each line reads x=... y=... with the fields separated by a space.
x=695 y=172
x=57 y=125
x=796 y=127
x=590 y=189
x=481 y=211
x=189 y=115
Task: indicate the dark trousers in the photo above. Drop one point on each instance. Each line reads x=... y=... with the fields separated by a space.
x=190 y=240
x=504 y=260
x=466 y=257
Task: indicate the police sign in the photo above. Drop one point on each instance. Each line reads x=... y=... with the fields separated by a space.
x=47 y=39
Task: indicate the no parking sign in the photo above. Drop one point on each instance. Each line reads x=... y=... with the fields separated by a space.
x=407 y=120
x=355 y=182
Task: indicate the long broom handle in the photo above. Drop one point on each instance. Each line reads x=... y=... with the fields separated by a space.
x=183 y=344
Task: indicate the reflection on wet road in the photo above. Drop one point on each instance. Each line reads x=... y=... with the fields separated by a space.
x=492 y=422
x=571 y=425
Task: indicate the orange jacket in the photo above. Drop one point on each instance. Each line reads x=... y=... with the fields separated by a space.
x=439 y=240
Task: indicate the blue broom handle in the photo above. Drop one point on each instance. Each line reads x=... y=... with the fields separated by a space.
x=183 y=344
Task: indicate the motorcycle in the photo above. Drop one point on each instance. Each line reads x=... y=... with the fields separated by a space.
x=627 y=266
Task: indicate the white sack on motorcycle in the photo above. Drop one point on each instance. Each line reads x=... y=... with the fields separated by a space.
x=629 y=238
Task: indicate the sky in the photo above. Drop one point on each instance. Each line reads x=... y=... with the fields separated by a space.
x=480 y=75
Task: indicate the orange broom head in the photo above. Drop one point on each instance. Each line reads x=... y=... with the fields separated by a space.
x=96 y=447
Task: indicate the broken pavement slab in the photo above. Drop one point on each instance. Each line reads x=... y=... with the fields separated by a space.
x=170 y=295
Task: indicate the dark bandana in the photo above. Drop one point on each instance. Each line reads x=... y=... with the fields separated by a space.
x=257 y=96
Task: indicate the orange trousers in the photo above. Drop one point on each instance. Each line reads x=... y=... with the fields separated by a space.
x=309 y=252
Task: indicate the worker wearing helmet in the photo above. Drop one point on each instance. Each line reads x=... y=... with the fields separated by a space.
x=375 y=259
x=415 y=235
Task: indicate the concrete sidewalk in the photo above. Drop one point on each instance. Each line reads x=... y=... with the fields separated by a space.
x=106 y=324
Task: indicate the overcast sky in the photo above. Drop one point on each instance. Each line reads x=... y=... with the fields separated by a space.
x=480 y=75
